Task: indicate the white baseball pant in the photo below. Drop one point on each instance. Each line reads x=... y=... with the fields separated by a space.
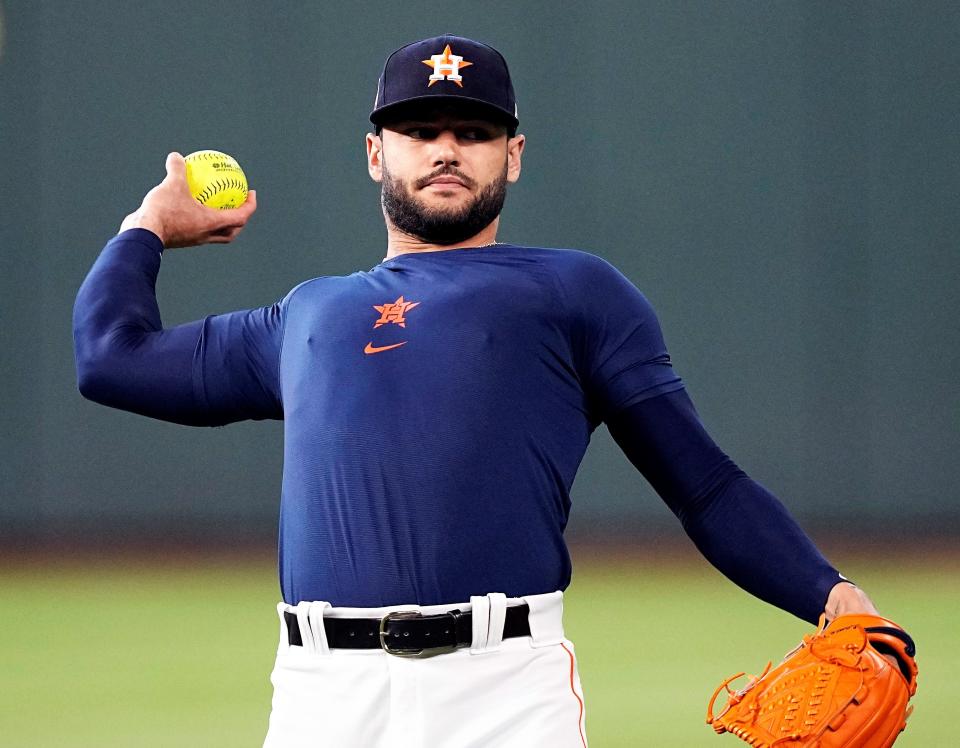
x=521 y=692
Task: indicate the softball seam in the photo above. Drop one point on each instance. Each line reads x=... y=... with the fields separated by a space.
x=218 y=186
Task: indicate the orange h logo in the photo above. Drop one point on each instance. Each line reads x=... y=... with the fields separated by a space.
x=393 y=313
x=446 y=66
x=390 y=314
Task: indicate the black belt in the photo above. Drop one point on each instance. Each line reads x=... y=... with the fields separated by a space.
x=407 y=633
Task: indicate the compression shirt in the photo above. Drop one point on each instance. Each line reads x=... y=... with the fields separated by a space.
x=436 y=409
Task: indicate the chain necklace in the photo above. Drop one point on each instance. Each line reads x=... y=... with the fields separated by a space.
x=478 y=246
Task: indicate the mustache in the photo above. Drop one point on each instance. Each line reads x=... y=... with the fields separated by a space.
x=443 y=171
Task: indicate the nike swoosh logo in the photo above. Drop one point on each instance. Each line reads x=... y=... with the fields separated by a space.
x=373 y=349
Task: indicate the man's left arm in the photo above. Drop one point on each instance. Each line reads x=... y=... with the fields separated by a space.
x=738 y=525
x=630 y=384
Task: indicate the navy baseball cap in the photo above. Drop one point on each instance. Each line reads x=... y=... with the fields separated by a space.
x=446 y=68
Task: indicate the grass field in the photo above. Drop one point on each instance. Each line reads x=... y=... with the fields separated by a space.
x=126 y=653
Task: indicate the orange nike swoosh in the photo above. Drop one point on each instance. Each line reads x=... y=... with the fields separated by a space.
x=372 y=349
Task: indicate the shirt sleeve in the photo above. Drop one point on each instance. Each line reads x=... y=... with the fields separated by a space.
x=210 y=372
x=618 y=345
x=738 y=525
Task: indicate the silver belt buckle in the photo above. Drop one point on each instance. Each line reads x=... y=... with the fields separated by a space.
x=397 y=649
x=395 y=646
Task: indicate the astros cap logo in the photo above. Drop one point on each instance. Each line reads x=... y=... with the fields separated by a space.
x=446 y=66
x=405 y=83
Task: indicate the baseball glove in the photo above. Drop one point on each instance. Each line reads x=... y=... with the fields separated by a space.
x=837 y=689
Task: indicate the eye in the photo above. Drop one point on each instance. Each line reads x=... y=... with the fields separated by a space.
x=477 y=134
x=420 y=133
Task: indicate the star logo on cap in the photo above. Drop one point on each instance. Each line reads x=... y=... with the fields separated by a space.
x=446 y=66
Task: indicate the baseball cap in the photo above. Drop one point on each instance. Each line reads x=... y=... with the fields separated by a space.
x=446 y=68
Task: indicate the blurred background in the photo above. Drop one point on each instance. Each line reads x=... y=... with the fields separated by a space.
x=780 y=179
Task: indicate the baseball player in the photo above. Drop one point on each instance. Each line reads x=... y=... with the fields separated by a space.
x=436 y=408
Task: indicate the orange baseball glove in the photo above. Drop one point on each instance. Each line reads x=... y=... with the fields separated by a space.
x=836 y=690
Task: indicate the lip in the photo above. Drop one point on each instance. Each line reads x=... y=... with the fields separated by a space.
x=446 y=181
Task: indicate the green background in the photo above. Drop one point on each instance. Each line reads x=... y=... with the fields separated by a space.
x=779 y=178
x=177 y=652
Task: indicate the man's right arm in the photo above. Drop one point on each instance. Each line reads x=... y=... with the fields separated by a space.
x=209 y=372
x=204 y=373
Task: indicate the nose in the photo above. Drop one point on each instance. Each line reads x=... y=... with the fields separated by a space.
x=446 y=150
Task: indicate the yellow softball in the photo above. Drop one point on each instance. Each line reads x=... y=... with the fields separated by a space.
x=216 y=179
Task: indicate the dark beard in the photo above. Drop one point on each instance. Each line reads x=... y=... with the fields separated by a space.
x=412 y=217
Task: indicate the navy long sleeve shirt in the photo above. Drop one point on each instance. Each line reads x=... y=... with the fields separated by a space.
x=436 y=409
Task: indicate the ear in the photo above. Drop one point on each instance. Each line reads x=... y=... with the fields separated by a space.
x=375 y=157
x=514 y=152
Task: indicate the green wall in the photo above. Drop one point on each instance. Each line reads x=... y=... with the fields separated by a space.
x=780 y=179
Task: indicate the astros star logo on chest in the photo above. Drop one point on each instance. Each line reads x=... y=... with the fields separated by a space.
x=394 y=312
x=391 y=313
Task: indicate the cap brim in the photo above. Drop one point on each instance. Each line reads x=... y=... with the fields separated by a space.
x=399 y=109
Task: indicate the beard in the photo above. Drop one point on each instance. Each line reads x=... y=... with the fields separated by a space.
x=437 y=225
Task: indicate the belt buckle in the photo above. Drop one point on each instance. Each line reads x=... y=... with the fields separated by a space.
x=401 y=651
x=385 y=644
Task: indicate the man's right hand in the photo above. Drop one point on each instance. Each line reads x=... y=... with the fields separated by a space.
x=170 y=212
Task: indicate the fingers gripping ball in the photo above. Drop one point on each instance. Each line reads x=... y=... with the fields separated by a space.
x=216 y=179
x=836 y=690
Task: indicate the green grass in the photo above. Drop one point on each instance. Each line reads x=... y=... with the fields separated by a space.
x=692 y=629
x=128 y=654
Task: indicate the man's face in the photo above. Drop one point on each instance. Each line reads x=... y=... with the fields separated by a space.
x=444 y=172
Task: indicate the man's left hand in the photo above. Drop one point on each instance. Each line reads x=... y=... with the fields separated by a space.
x=846 y=598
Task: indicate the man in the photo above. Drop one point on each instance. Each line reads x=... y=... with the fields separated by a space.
x=436 y=409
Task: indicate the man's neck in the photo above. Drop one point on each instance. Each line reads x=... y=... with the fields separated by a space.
x=399 y=243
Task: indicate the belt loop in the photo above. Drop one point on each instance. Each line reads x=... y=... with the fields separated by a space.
x=315 y=619
x=303 y=621
x=498 y=615
x=488 y=614
x=284 y=637
x=480 y=616
x=546 y=618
